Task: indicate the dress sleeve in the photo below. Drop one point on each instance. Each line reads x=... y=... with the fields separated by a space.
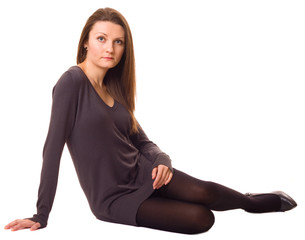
x=64 y=105
x=150 y=150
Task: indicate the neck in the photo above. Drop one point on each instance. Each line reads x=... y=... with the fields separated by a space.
x=95 y=74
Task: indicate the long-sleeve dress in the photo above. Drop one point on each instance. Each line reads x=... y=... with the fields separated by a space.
x=113 y=167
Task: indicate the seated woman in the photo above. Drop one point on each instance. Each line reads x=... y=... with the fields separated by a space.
x=126 y=177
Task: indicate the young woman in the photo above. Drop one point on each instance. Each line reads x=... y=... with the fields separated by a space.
x=126 y=178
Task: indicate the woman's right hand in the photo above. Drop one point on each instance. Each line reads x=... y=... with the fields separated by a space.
x=22 y=224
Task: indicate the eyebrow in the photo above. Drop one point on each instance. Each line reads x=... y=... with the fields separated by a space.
x=107 y=35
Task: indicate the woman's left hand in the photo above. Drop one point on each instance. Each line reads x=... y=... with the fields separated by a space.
x=162 y=176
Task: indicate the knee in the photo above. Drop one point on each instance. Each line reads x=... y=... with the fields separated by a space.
x=209 y=193
x=203 y=220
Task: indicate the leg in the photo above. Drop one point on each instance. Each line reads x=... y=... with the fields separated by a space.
x=174 y=216
x=215 y=196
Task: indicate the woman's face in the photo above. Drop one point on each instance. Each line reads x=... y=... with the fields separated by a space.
x=105 y=45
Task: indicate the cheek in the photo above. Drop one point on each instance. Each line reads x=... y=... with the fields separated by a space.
x=120 y=53
x=94 y=50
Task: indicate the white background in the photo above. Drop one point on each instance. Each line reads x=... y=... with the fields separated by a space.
x=220 y=89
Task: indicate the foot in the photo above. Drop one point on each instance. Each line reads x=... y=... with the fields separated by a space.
x=287 y=203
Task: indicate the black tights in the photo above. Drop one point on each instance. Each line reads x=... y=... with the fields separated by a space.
x=185 y=205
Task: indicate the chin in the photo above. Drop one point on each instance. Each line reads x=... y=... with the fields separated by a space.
x=107 y=66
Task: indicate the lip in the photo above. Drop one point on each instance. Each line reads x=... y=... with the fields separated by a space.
x=108 y=58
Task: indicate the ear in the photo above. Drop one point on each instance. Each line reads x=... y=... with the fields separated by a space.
x=86 y=45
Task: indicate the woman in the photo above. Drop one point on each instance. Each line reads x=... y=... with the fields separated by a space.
x=126 y=178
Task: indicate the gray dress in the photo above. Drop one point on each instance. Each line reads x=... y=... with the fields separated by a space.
x=113 y=167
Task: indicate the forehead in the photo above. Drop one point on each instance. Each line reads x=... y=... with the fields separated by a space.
x=109 y=28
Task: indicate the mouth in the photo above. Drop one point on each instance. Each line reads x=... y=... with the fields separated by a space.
x=108 y=58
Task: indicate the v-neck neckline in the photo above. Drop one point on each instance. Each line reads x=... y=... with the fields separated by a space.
x=113 y=107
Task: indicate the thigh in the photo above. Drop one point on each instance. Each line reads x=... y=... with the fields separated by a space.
x=186 y=188
x=175 y=216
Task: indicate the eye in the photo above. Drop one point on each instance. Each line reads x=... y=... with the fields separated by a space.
x=120 y=42
x=101 y=39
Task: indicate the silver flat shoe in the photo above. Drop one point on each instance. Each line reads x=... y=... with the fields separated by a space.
x=287 y=203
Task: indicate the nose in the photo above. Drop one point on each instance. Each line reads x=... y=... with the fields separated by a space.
x=109 y=47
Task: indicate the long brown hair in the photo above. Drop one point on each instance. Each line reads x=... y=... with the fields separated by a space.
x=120 y=80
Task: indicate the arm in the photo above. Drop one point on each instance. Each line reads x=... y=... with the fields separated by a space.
x=62 y=119
x=162 y=171
x=150 y=150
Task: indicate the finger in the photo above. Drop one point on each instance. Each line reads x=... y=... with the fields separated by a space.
x=11 y=224
x=16 y=227
x=166 y=177
x=169 y=178
x=154 y=173
x=162 y=172
x=22 y=224
x=7 y=226
x=35 y=226
x=157 y=180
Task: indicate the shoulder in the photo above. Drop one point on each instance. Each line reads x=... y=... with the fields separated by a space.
x=71 y=80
